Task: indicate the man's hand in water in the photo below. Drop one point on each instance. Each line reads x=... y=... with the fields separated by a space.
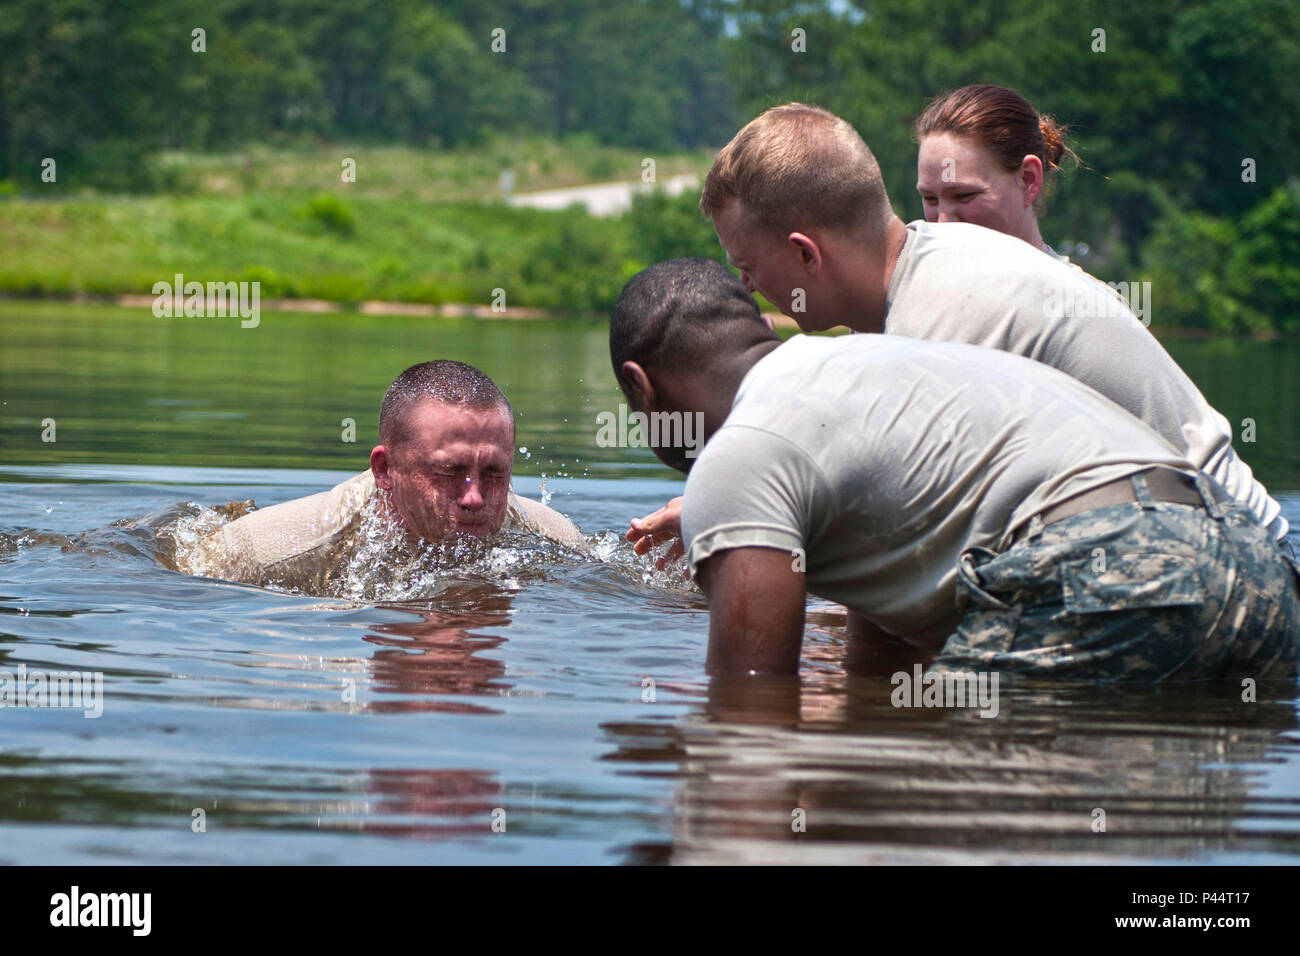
x=654 y=529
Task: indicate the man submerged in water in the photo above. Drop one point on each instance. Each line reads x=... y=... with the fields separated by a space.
x=439 y=475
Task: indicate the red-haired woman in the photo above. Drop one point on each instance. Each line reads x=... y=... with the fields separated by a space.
x=987 y=157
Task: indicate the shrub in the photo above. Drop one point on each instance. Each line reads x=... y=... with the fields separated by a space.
x=331 y=214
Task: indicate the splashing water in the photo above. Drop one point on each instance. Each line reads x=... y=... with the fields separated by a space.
x=614 y=550
x=387 y=564
x=384 y=564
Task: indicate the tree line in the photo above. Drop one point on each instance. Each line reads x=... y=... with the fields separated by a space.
x=1185 y=113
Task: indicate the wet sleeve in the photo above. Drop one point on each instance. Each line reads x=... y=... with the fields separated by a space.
x=751 y=488
x=288 y=544
x=547 y=522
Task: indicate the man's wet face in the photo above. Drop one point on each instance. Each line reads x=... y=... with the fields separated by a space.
x=451 y=476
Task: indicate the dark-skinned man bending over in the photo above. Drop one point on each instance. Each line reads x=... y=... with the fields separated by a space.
x=974 y=502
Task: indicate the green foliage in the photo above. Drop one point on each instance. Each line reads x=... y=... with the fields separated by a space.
x=399 y=251
x=1235 y=277
x=633 y=72
x=103 y=86
x=569 y=265
x=331 y=214
x=270 y=282
x=1163 y=118
x=664 y=227
x=1264 y=269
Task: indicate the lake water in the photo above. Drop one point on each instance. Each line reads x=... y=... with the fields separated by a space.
x=564 y=698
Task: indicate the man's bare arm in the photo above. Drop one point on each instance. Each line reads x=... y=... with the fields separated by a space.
x=756 y=611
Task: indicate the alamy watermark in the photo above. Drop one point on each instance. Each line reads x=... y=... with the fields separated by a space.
x=130 y=910
x=946 y=689
x=217 y=300
x=1092 y=301
x=654 y=430
x=80 y=690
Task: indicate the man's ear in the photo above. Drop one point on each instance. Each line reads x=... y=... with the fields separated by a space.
x=379 y=467
x=810 y=254
x=643 y=390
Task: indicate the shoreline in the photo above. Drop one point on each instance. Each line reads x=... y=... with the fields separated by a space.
x=445 y=310
x=462 y=310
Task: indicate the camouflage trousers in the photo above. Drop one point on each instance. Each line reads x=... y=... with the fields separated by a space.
x=1132 y=592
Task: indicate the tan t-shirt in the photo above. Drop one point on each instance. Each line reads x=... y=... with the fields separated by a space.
x=876 y=459
x=301 y=544
x=956 y=282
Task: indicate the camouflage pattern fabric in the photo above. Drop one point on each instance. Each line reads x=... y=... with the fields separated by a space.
x=1132 y=592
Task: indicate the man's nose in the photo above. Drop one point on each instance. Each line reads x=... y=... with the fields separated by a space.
x=471 y=497
x=947 y=214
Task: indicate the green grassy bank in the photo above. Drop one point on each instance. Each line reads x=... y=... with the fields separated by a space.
x=415 y=226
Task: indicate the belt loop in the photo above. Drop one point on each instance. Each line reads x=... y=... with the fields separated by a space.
x=1035 y=527
x=1212 y=504
x=1142 y=492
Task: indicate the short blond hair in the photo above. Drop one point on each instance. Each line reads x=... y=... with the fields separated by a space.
x=799 y=165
